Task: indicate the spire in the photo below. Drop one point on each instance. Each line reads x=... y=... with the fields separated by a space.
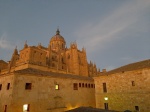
x=15 y=51
x=83 y=49
x=57 y=32
x=90 y=62
x=25 y=44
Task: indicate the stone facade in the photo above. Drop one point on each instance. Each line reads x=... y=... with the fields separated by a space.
x=127 y=88
x=43 y=95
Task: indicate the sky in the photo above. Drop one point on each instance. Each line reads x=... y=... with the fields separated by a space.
x=114 y=32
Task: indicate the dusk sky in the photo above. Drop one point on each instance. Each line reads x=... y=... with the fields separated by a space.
x=114 y=32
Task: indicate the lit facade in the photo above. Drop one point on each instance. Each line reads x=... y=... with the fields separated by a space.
x=47 y=79
x=56 y=78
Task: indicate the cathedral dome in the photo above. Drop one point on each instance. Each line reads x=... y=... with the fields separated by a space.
x=57 y=42
x=57 y=37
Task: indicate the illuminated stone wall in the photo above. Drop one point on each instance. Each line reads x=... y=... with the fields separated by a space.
x=125 y=90
x=6 y=93
x=42 y=97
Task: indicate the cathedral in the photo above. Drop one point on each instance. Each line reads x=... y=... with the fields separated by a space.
x=47 y=79
x=58 y=78
x=56 y=57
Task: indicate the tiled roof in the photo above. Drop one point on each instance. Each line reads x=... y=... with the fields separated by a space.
x=130 y=67
x=52 y=74
x=89 y=109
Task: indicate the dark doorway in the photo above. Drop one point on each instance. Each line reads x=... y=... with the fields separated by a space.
x=106 y=106
x=137 y=108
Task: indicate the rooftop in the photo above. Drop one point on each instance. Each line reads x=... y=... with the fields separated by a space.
x=52 y=74
x=131 y=67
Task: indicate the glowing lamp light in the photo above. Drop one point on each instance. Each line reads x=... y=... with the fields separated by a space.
x=106 y=98
x=25 y=107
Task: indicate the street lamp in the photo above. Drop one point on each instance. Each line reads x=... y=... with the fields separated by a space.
x=106 y=98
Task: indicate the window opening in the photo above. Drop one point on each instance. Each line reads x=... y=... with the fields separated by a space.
x=106 y=106
x=0 y=86
x=85 y=85
x=104 y=88
x=75 y=86
x=82 y=84
x=26 y=107
x=89 y=85
x=5 y=108
x=68 y=56
x=56 y=87
x=79 y=84
x=28 y=86
x=137 y=108
x=8 y=86
x=133 y=83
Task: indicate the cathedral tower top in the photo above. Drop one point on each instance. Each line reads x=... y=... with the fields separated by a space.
x=57 y=42
x=57 y=32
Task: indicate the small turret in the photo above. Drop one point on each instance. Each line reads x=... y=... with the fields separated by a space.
x=15 y=51
x=39 y=45
x=14 y=58
x=90 y=62
x=25 y=44
x=73 y=45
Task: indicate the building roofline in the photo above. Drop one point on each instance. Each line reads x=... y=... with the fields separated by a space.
x=130 y=67
x=52 y=74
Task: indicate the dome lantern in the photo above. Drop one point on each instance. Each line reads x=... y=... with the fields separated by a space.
x=57 y=32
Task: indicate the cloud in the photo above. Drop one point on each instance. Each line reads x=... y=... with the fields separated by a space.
x=98 y=34
x=4 y=43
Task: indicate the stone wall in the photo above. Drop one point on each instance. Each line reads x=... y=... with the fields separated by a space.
x=43 y=97
x=125 y=90
x=5 y=91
